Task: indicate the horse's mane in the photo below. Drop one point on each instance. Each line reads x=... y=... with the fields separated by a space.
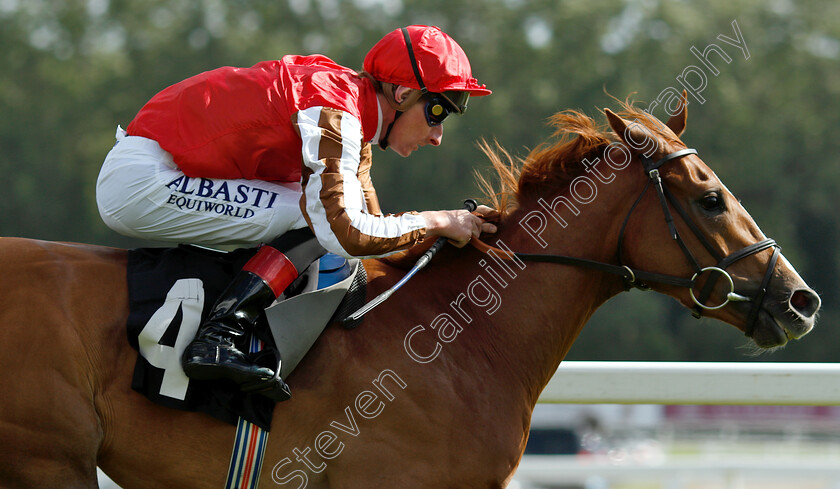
x=550 y=167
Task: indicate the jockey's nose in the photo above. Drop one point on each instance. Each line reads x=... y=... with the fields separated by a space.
x=436 y=135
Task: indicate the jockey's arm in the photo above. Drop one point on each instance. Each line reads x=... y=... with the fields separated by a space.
x=334 y=201
x=371 y=200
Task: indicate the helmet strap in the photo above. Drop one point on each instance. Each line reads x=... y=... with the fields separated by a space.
x=413 y=60
x=389 y=90
x=383 y=141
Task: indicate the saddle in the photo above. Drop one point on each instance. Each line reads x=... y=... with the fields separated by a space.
x=172 y=289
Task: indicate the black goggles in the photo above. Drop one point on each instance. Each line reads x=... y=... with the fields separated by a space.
x=440 y=105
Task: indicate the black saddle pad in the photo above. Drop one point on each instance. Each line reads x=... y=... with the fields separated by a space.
x=191 y=278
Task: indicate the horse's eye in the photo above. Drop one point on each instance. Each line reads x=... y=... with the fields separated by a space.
x=712 y=202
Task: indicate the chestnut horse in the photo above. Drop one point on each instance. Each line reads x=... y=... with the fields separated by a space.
x=437 y=387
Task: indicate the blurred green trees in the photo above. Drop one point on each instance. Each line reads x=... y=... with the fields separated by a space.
x=71 y=70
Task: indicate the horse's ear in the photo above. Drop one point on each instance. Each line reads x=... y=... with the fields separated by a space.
x=617 y=124
x=677 y=121
x=634 y=135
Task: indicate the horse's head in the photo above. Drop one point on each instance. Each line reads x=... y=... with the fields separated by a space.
x=735 y=272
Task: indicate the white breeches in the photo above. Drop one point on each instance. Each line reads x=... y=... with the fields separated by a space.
x=141 y=193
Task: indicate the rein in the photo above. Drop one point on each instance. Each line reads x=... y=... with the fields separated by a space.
x=639 y=278
x=631 y=276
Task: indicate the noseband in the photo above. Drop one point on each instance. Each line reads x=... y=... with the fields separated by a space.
x=639 y=278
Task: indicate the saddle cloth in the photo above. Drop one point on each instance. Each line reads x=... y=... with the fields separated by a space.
x=171 y=290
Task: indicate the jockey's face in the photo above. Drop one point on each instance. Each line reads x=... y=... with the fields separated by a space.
x=411 y=131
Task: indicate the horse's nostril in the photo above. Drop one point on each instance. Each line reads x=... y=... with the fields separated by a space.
x=805 y=301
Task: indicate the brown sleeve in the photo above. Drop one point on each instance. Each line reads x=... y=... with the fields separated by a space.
x=337 y=189
x=371 y=199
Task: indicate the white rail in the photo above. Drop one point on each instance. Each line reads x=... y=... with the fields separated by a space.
x=732 y=473
x=726 y=383
x=768 y=383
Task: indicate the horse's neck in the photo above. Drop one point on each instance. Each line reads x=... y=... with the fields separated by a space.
x=545 y=306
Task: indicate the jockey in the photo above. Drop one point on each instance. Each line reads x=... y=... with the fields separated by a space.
x=275 y=154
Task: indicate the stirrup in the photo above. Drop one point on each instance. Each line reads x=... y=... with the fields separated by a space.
x=273 y=388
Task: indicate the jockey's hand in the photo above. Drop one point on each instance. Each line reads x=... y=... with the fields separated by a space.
x=460 y=225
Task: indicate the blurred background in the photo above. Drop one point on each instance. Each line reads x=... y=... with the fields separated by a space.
x=767 y=122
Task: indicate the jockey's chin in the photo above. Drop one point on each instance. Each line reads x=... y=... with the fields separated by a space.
x=404 y=152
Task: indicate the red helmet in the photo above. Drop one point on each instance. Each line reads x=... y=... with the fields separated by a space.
x=424 y=58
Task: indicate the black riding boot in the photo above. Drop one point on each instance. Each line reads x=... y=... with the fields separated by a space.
x=213 y=354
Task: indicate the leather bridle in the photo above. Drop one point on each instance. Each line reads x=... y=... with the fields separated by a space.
x=640 y=278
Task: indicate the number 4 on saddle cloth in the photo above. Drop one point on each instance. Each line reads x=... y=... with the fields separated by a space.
x=171 y=290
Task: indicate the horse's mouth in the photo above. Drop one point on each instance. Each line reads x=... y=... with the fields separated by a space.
x=782 y=321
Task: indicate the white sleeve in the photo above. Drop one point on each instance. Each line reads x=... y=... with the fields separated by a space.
x=333 y=198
